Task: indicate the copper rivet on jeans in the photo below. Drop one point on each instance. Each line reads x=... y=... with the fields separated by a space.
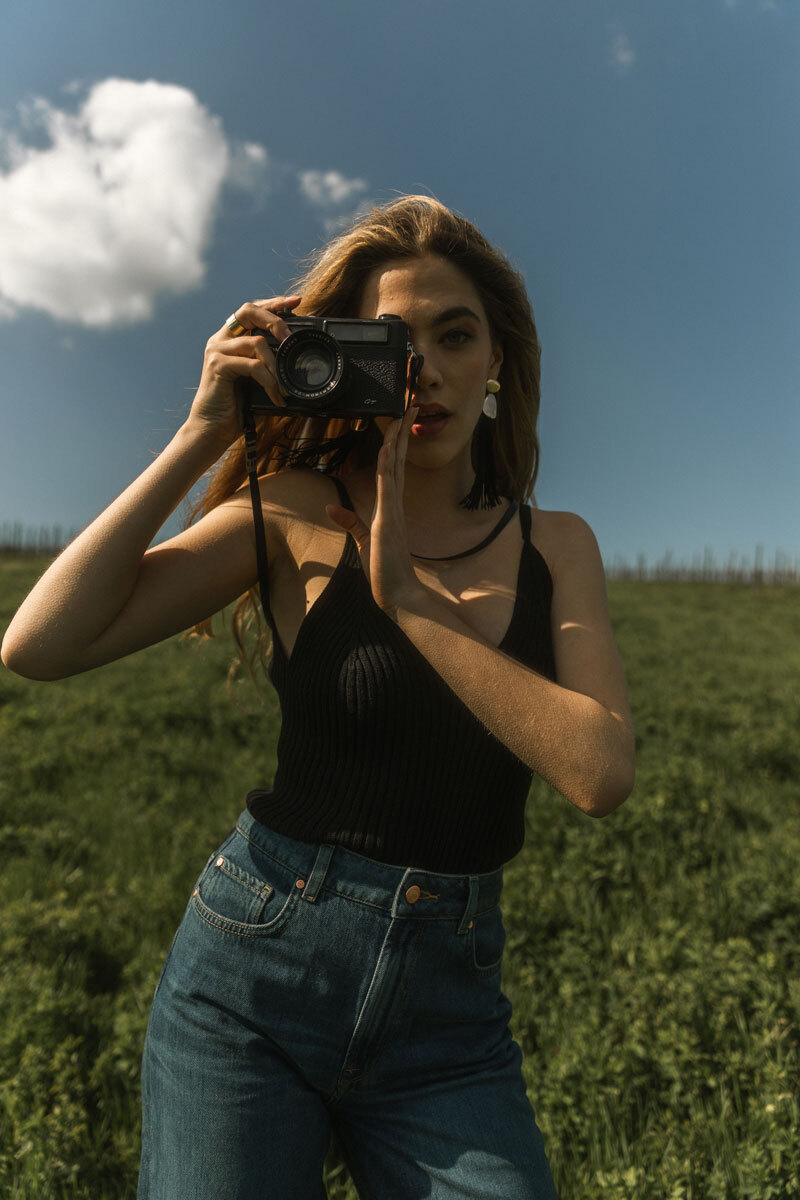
x=301 y=883
x=194 y=893
x=220 y=861
x=470 y=925
x=413 y=894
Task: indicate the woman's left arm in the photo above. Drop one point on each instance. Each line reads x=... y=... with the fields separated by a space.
x=577 y=733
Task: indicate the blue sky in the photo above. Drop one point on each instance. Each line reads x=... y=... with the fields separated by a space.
x=637 y=162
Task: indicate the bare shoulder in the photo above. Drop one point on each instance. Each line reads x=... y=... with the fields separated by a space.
x=565 y=540
x=292 y=503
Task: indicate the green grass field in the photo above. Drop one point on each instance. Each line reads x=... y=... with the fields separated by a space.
x=652 y=957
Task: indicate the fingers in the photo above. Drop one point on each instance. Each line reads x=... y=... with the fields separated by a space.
x=392 y=456
x=257 y=369
x=246 y=356
x=249 y=353
x=261 y=314
x=398 y=433
x=351 y=523
x=403 y=436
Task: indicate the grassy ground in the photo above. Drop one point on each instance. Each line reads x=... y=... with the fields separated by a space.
x=652 y=957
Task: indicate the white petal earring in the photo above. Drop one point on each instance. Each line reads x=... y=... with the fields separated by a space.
x=490 y=404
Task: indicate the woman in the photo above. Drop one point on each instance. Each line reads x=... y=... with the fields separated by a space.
x=338 y=965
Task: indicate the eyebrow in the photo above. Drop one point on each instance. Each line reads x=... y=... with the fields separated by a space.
x=449 y=314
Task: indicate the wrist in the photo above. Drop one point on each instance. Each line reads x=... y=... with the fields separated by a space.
x=203 y=439
x=413 y=600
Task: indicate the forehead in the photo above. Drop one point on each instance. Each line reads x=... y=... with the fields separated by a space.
x=418 y=288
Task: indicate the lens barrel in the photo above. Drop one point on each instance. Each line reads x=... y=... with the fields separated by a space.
x=310 y=365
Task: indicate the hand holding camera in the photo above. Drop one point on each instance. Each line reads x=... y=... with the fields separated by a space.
x=314 y=366
x=346 y=367
x=230 y=357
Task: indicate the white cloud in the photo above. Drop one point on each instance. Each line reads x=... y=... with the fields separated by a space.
x=252 y=169
x=104 y=209
x=334 y=194
x=623 y=55
x=116 y=209
x=330 y=189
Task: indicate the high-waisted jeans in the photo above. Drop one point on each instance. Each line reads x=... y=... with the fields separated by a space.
x=309 y=989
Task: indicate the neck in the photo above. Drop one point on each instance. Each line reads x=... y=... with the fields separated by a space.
x=432 y=496
x=431 y=504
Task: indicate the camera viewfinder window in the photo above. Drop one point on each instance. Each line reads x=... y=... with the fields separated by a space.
x=362 y=333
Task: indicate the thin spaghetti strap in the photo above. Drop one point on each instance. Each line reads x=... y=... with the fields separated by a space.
x=498 y=529
x=525 y=521
x=342 y=490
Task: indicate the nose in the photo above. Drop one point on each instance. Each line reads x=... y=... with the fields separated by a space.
x=429 y=376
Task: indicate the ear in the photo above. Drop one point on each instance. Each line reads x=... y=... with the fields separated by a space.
x=496 y=361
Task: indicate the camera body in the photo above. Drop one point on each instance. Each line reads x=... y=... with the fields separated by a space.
x=339 y=367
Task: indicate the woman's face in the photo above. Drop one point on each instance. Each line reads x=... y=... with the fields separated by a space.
x=450 y=329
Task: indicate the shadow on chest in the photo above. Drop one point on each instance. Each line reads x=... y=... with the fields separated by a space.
x=482 y=590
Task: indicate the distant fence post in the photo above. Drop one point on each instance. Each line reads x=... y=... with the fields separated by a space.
x=758 y=569
x=784 y=571
x=45 y=540
x=15 y=538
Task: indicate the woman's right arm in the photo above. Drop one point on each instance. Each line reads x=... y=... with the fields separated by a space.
x=107 y=595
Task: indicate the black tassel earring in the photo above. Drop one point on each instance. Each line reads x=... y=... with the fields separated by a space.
x=484 y=493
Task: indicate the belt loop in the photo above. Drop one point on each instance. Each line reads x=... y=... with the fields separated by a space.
x=472 y=904
x=318 y=872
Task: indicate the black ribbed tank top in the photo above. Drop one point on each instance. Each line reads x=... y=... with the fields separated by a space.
x=376 y=752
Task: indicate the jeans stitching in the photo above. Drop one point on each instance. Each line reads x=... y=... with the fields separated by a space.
x=241 y=928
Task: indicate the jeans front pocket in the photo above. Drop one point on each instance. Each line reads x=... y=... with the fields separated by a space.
x=244 y=891
x=485 y=943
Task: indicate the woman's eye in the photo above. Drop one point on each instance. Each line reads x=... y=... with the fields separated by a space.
x=457 y=336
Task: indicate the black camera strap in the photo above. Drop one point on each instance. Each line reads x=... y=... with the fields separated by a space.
x=251 y=464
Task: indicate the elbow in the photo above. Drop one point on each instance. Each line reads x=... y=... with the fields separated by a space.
x=614 y=791
x=9 y=658
x=17 y=662
x=602 y=769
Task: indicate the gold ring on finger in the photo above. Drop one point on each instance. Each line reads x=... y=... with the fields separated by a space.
x=235 y=325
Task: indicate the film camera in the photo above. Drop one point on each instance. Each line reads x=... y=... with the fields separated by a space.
x=339 y=367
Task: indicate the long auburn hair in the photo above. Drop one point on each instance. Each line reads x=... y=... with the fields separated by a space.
x=331 y=286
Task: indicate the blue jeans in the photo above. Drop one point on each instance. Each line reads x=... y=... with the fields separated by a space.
x=308 y=988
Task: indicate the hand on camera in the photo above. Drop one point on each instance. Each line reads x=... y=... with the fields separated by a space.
x=228 y=357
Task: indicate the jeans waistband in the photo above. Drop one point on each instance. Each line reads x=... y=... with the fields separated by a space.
x=405 y=892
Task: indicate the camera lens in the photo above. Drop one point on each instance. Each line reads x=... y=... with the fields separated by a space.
x=310 y=364
x=310 y=369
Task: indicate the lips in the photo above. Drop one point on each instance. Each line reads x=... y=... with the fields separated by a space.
x=424 y=409
x=430 y=420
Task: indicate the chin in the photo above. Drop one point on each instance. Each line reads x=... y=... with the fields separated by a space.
x=437 y=457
